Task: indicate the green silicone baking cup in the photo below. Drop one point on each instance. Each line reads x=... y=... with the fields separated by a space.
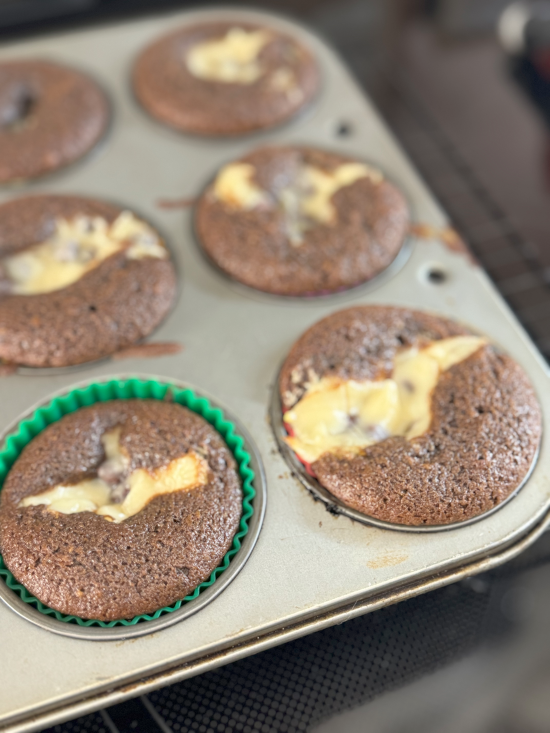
x=124 y=389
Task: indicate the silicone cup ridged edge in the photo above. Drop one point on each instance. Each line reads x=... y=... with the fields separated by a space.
x=128 y=389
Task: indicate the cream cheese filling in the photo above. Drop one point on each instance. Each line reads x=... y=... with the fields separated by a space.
x=337 y=416
x=231 y=59
x=141 y=486
x=235 y=188
x=76 y=247
x=284 y=80
x=319 y=187
x=307 y=201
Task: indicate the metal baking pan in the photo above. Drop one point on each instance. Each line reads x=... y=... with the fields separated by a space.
x=310 y=568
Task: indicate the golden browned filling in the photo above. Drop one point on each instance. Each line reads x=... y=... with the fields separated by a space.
x=118 y=493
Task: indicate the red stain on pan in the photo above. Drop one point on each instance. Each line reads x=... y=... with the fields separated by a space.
x=305 y=464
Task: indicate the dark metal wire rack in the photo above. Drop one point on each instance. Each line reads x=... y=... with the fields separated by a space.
x=510 y=261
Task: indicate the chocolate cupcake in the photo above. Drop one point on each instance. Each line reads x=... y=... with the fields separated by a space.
x=299 y=221
x=408 y=417
x=50 y=116
x=120 y=509
x=79 y=280
x=225 y=78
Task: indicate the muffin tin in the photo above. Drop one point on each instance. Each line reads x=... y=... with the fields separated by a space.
x=240 y=443
x=310 y=568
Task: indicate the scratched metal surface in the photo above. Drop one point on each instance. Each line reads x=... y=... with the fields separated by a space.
x=306 y=561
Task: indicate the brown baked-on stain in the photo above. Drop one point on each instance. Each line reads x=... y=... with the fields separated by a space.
x=447 y=235
x=148 y=351
x=7 y=369
x=84 y=565
x=184 y=203
x=389 y=560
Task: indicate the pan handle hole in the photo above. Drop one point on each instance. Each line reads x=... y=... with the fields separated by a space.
x=434 y=274
x=344 y=129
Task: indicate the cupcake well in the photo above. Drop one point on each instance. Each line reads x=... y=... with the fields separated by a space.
x=131 y=388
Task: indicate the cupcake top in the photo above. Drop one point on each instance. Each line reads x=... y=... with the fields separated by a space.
x=301 y=221
x=407 y=417
x=225 y=78
x=119 y=509
x=50 y=115
x=79 y=279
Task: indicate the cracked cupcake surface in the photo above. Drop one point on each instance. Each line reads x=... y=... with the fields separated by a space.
x=225 y=78
x=79 y=280
x=120 y=509
x=301 y=221
x=407 y=417
x=50 y=116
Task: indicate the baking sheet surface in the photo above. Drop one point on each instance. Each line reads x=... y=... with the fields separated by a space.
x=306 y=560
